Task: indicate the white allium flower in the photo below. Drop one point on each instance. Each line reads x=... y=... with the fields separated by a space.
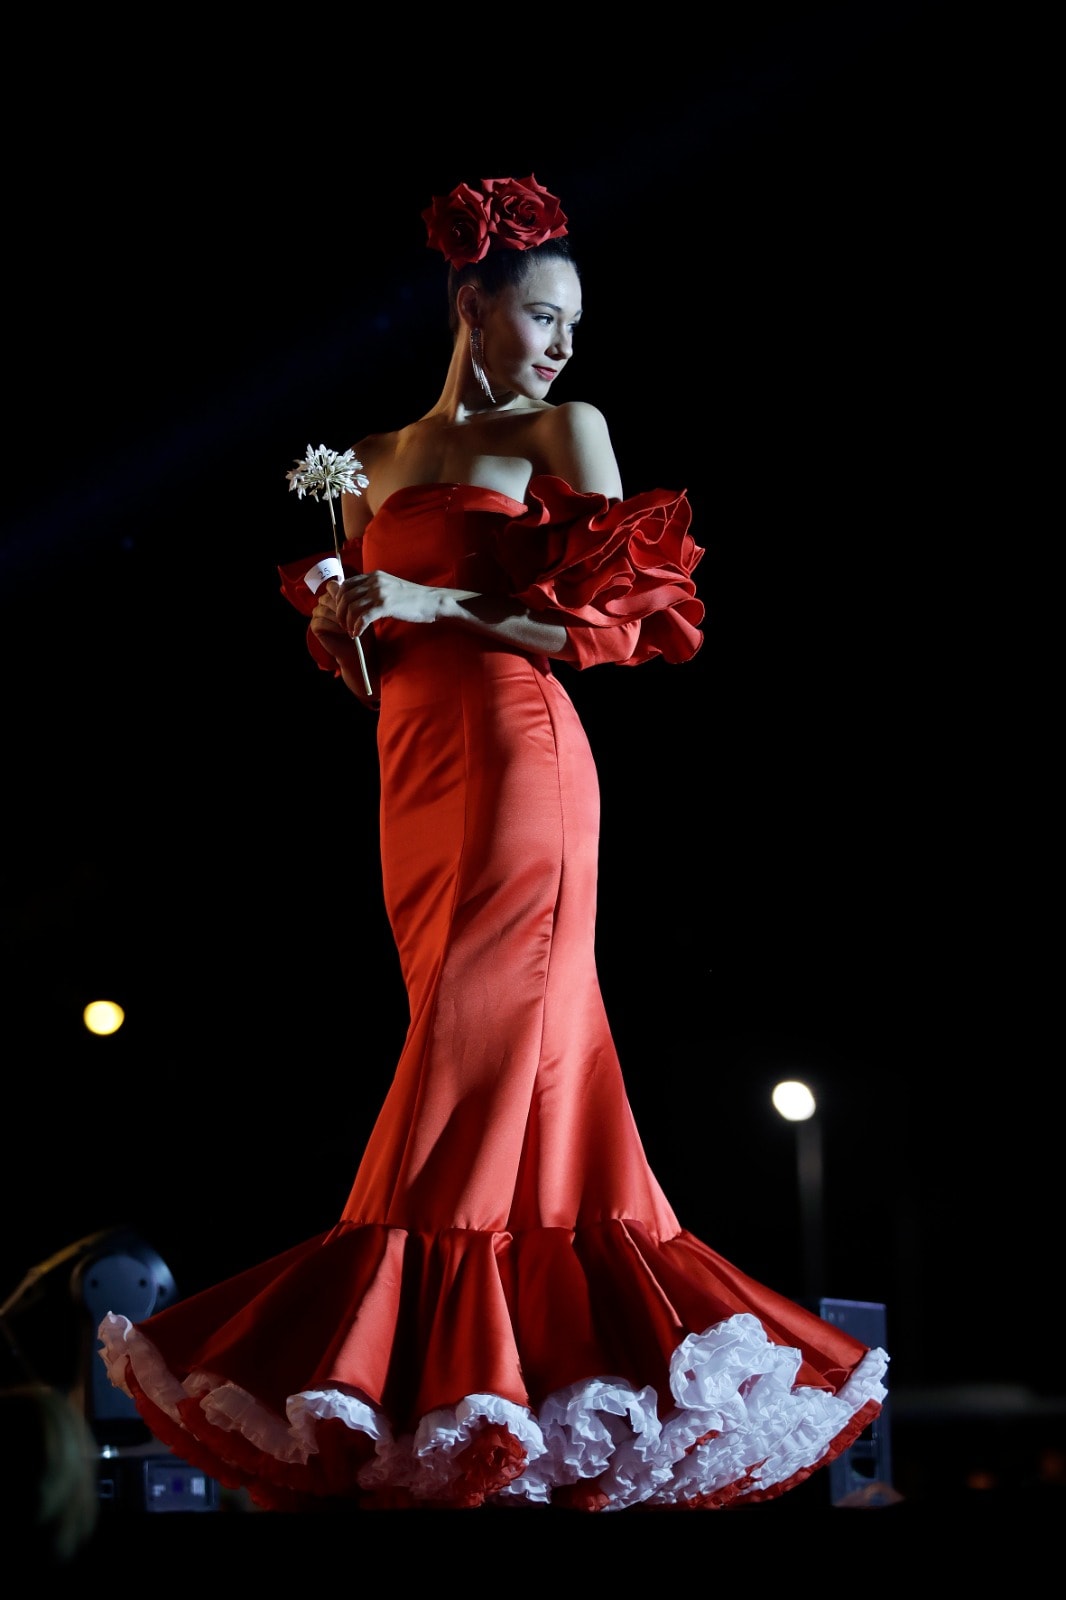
x=327 y=473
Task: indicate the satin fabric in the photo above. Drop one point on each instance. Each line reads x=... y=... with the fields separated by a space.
x=508 y=1308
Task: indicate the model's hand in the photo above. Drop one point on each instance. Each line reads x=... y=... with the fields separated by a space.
x=363 y=599
x=324 y=623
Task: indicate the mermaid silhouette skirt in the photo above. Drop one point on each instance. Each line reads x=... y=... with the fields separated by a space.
x=507 y=1311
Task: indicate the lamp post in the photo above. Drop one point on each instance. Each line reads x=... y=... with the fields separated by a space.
x=795 y=1102
x=862 y=1475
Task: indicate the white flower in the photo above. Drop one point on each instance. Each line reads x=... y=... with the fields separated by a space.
x=325 y=472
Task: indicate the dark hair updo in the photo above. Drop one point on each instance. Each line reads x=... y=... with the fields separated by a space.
x=503 y=269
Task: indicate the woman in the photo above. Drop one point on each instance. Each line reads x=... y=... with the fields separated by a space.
x=507 y=1311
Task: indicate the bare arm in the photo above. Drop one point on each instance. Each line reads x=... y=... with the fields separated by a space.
x=578 y=449
x=357 y=602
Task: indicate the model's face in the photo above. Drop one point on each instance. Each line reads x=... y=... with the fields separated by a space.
x=529 y=330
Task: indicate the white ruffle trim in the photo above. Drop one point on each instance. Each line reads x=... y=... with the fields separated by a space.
x=730 y=1382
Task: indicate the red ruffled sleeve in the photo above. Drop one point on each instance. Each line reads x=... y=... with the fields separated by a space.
x=300 y=580
x=619 y=572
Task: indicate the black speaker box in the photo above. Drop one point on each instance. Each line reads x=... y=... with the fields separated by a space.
x=863 y=1474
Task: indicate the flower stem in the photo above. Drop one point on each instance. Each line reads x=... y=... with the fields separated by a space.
x=358 y=642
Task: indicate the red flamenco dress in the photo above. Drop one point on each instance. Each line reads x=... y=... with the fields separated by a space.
x=508 y=1310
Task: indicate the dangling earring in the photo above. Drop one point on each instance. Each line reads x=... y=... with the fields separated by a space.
x=475 y=362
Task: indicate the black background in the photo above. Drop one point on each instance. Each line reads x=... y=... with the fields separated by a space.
x=814 y=833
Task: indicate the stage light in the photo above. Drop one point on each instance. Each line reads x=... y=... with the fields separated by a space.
x=51 y=1318
x=49 y=1324
x=103 y=1017
x=793 y=1100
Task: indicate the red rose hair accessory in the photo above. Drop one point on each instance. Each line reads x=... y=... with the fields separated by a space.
x=509 y=214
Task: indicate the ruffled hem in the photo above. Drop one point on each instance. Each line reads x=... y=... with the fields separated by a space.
x=740 y=1429
x=739 y=1414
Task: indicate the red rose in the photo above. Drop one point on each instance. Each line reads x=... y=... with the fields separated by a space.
x=511 y=213
x=522 y=212
x=458 y=225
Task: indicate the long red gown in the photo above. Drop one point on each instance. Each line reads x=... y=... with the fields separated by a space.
x=508 y=1310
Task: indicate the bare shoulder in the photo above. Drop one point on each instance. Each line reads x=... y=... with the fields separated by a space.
x=375 y=449
x=577 y=419
x=357 y=509
x=578 y=448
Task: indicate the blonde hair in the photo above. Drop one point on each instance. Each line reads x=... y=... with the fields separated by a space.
x=47 y=1472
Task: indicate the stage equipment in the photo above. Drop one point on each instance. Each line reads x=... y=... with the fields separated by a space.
x=862 y=1476
x=49 y=1324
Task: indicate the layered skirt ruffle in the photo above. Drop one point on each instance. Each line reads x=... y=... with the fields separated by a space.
x=598 y=1369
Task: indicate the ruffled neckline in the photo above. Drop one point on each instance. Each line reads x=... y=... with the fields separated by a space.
x=618 y=569
x=539 y=485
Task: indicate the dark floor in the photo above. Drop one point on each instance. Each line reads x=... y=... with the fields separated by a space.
x=894 y=1541
x=964 y=1487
